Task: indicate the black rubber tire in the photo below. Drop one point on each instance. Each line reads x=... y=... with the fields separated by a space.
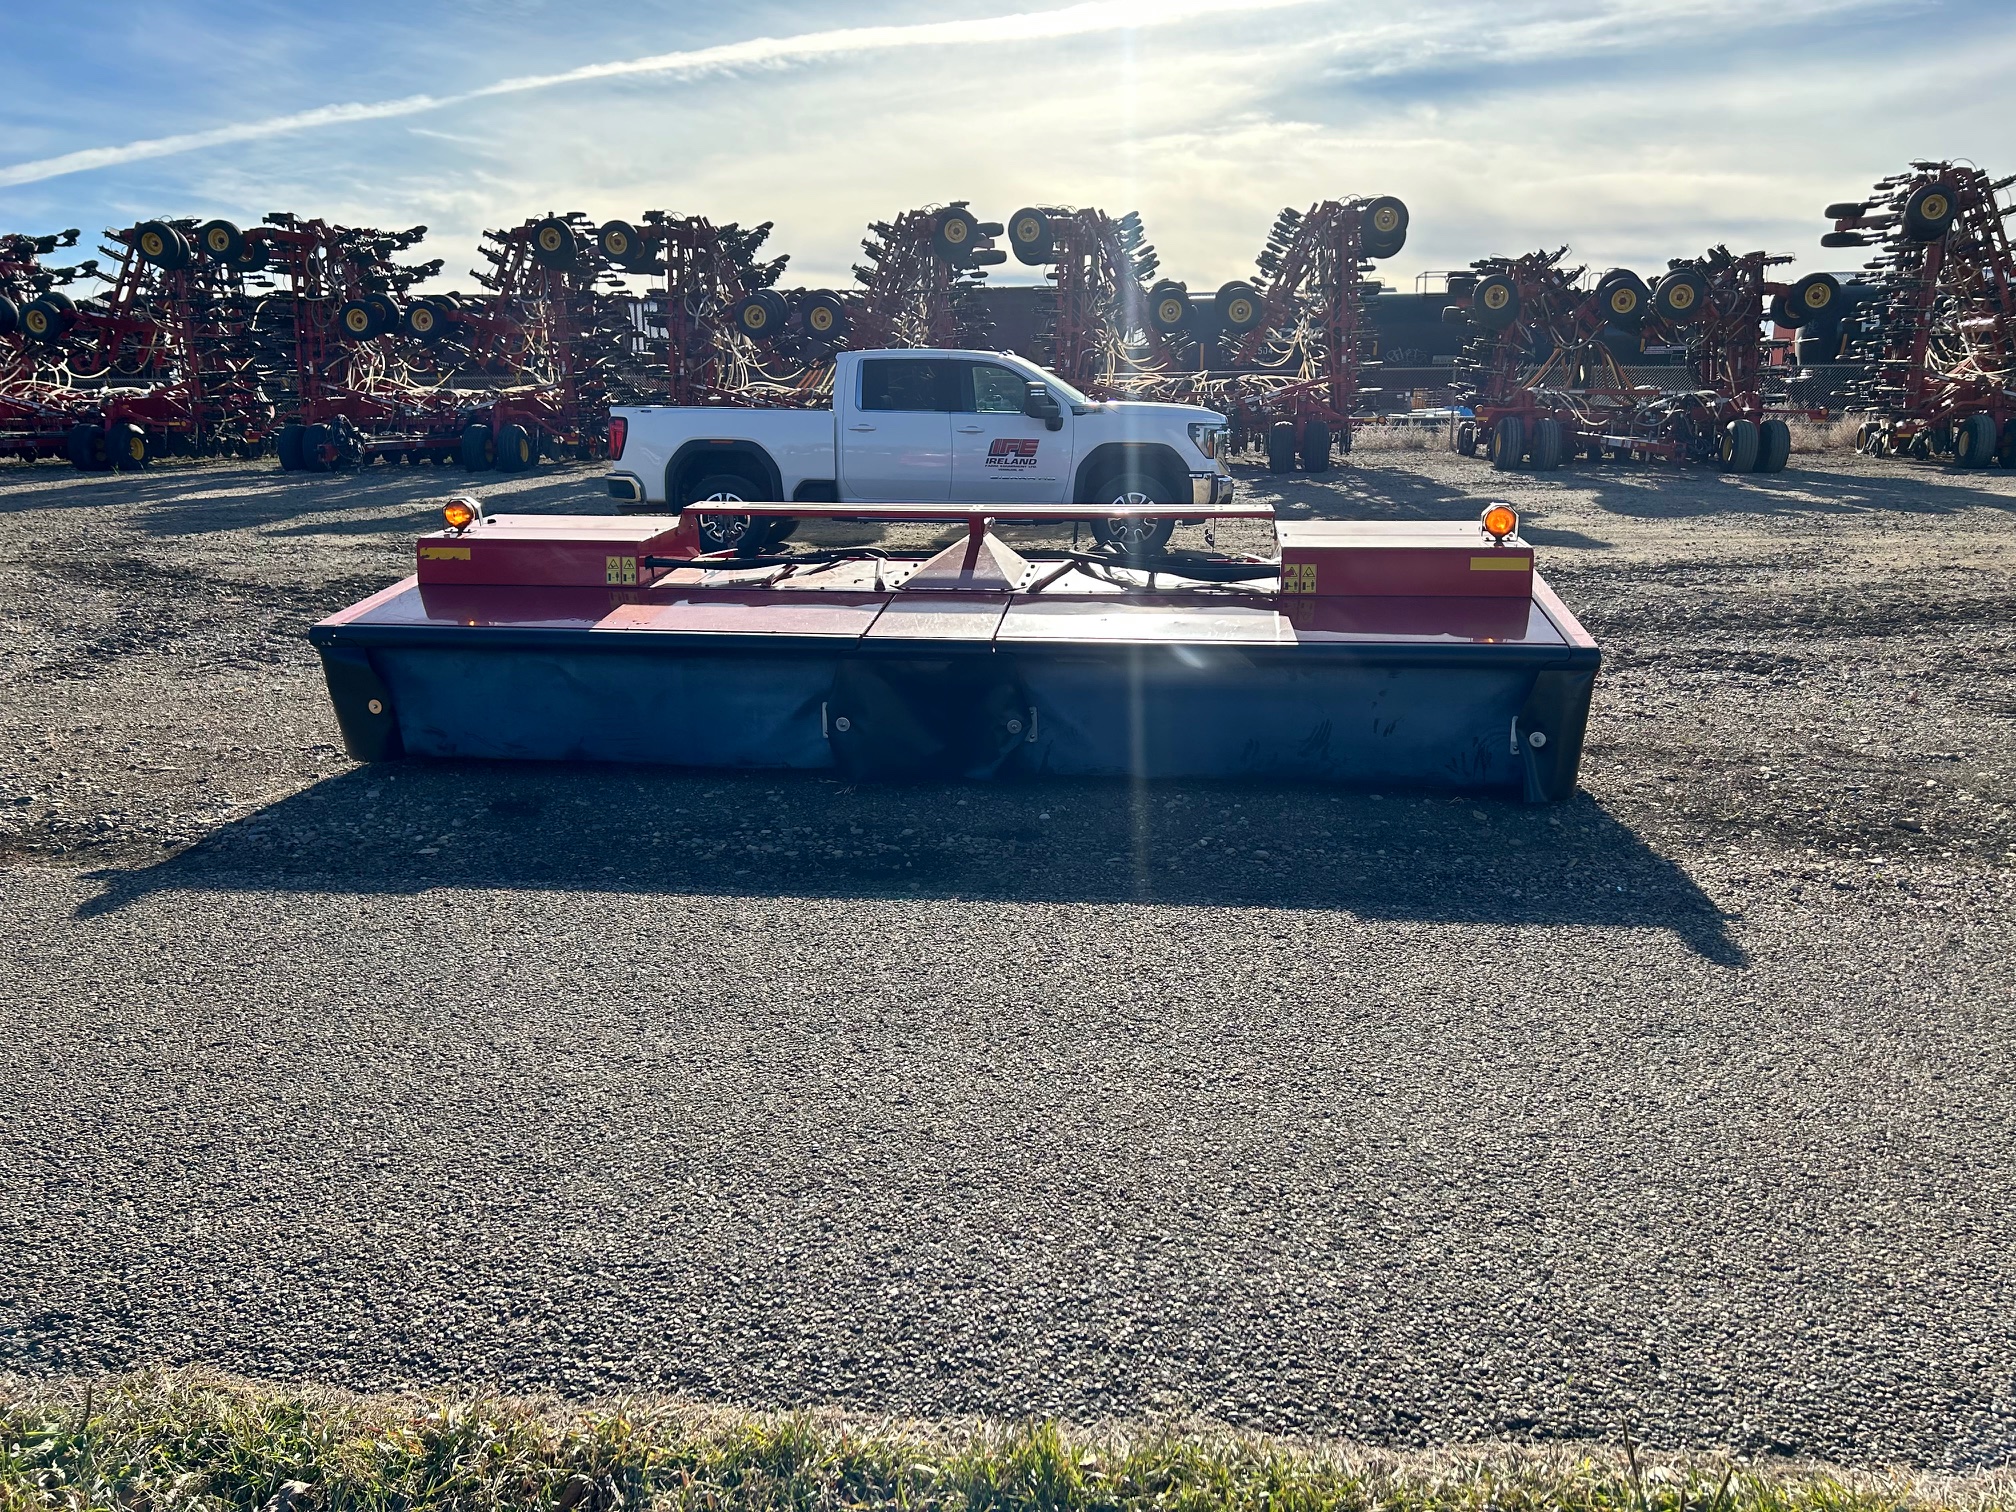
x=1548 y=443
x=358 y=320
x=85 y=447
x=1624 y=298
x=287 y=446
x=1774 y=446
x=1281 y=447
x=1781 y=312
x=1974 y=441
x=1508 y=443
x=1136 y=540
x=1382 y=226
x=554 y=244
x=1169 y=307
x=516 y=448
x=1315 y=448
x=315 y=443
x=1494 y=303
x=45 y=321
x=1465 y=439
x=1929 y=210
x=823 y=314
x=479 y=448
x=1681 y=297
x=956 y=235
x=424 y=320
x=1030 y=237
x=619 y=242
x=126 y=446
x=761 y=316
x=161 y=244
x=1240 y=307
x=729 y=532
x=10 y=316
x=221 y=242
x=1815 y=297
x=1738 y=446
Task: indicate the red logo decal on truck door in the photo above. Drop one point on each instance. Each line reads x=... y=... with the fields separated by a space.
x=1012 y=451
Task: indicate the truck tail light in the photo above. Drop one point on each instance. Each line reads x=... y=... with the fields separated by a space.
x=619 y=432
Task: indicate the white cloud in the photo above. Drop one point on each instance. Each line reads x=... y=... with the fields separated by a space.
x=1026 y=26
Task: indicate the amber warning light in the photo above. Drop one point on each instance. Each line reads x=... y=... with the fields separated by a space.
x=462 y=512
x=1500 y=522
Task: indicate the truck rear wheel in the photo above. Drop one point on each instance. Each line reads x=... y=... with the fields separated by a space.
x=721 y=532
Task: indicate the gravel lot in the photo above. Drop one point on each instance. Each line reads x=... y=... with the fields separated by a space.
x=1684 y=1107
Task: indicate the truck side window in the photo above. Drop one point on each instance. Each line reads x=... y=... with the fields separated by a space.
x=908 y=383
x=997 y=390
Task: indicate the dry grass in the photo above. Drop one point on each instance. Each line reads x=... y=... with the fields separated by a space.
x=1400 y=438
x=1811 y=438
x=199 y=1441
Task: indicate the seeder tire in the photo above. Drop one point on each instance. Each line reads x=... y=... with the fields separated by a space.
x=1774 y=446
x=1281 y=447
x=479 y=448
x=1547 y=444
x=1974 y=441
x=1738 y=447
x=126 y=446
x=10 y=316
x=315 y=444
x=1315 y=447
x=516 y=449
x=1031 y=238
x=1928 y=213
x=1507 y=444
x=85 y=447
x=1465 y=440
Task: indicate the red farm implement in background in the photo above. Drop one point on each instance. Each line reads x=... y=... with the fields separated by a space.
x=1284 y=357
x=1094 y=328
x=1942 y=338
x=1543 y=380
x=1298 y=364
x=161 y=362
x=35 y=418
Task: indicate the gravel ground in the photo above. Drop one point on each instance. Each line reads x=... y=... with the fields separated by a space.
x=1683 y=1107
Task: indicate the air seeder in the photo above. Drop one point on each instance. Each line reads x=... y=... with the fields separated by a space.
x=1546 y=387
x=1384 y=654
x=1942 y=341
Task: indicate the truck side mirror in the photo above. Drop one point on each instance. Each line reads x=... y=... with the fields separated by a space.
x=1039 y=404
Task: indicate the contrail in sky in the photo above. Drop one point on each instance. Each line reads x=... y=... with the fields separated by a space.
x=1024 y=26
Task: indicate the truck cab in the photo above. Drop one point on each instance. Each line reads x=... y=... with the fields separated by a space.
x=929 y=425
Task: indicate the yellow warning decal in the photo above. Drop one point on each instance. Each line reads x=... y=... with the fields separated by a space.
x=1500 y=564
x=444 y=553
x=1298 y=577
x=620 y=570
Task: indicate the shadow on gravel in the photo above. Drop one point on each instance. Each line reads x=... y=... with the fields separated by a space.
x=181 y=499
x=1787 y=493
x=412 y=826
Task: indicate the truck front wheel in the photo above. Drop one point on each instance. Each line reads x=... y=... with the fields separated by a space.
x=1129 y=535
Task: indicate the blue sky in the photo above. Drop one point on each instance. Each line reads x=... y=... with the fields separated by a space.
x=1633 y=130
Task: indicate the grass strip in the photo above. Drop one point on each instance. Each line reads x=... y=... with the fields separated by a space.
x=196 y=1440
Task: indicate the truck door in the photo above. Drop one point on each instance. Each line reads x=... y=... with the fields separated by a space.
x=997 y=451
x=896 y=439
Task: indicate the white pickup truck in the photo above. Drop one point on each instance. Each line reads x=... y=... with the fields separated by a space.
x=925 y=426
